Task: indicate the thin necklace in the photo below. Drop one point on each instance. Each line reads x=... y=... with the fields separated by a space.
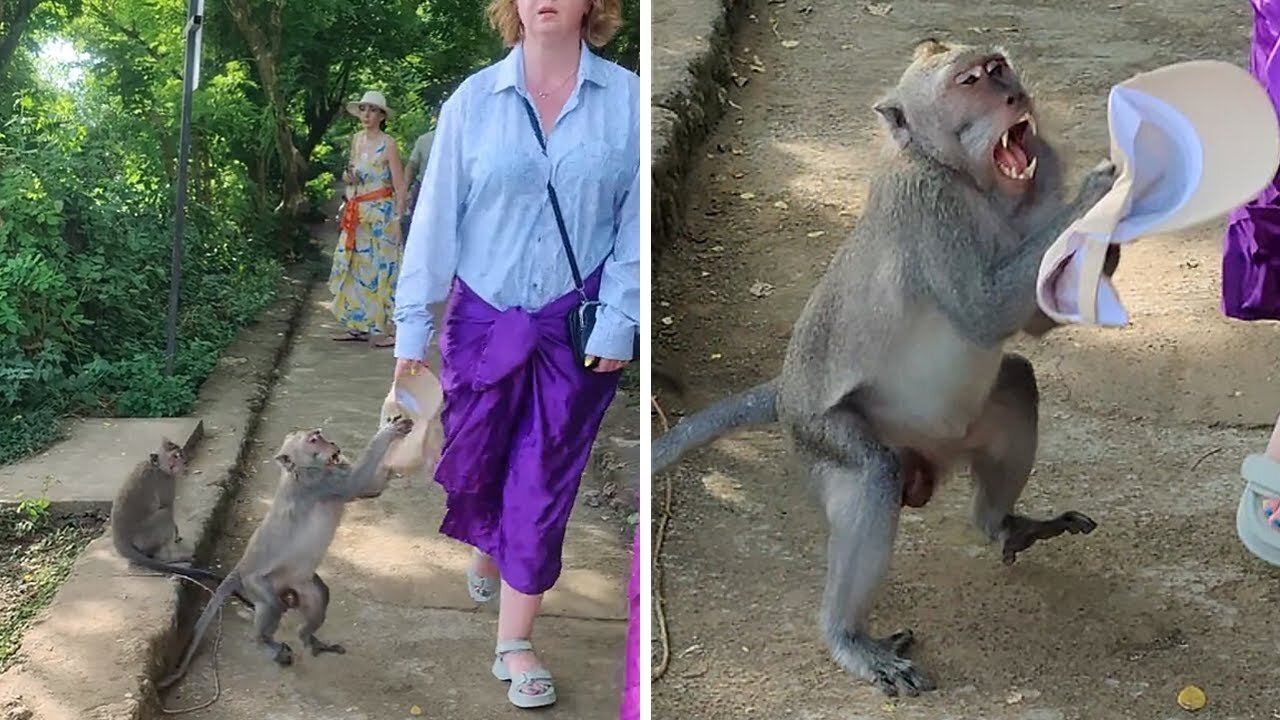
x=543 y=95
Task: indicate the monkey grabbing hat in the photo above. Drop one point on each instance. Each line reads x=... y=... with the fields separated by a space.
x=1190 y=141
x=419 y=398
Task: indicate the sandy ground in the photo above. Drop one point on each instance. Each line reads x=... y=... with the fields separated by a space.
x=1143 y=429
x=399 y=603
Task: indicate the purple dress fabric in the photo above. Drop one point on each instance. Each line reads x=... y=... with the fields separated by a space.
x=1251 y=252
x=519 y=418
x=630 y=708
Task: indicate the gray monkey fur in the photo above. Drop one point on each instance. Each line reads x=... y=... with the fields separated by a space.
x=143 y=528
x=899 y=350
x=278 y=566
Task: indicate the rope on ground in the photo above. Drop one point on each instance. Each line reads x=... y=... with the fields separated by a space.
x=213 y=661
x=661 y=668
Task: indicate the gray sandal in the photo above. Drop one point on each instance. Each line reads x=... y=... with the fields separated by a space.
x=481 y=588
x=539 y=676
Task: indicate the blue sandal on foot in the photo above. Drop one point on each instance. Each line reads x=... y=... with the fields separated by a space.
x=539 y=676
x=1257 y=521
x=481 y=588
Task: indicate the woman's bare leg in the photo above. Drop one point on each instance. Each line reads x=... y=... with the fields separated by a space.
x=516 y=615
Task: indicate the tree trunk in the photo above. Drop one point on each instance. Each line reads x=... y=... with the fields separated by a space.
x=266 y=54
x=16 y=25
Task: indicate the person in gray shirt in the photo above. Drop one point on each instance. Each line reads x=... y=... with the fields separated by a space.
x=415 y=169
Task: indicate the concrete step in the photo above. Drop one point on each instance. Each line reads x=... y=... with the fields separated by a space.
x=83 y=472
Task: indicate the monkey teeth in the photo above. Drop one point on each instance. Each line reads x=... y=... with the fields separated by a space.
x=1031 y=129
x=1030 y=121
x=1026 y=174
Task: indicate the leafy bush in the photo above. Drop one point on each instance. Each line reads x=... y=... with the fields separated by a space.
x=86 y=217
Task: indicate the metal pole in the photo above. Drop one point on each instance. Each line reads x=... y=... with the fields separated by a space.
x=193 y=32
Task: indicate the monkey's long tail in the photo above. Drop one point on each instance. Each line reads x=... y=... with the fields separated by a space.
x=191 y=572
x=229 y=586
x=755 y=406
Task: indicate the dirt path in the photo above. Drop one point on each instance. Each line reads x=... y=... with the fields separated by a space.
x=1144 y=428
x=399 y=605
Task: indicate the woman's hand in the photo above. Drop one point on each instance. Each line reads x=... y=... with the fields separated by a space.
x=406 y=367
x=607 y=364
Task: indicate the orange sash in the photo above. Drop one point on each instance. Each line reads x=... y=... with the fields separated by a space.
x=351 y=214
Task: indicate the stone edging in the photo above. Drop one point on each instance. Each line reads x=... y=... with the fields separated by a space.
x=685 y=109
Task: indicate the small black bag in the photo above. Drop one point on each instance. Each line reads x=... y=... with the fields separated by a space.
x=582 y=319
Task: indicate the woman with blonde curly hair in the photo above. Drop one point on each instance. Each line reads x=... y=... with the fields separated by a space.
x=532 y=223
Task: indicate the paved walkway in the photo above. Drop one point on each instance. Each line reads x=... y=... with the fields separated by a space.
x=399 y=605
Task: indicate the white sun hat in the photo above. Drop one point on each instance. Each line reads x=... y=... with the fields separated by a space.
x=419 y=397
x=370 y=97
x=1190 y=141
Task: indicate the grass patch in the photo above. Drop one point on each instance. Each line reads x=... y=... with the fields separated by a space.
x=36 y=556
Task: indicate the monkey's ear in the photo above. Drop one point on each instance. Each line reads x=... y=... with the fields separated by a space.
x=284 y=460
x=894 y=118
x=155 y=458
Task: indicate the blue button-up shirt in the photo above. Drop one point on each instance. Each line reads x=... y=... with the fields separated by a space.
x=484 y=216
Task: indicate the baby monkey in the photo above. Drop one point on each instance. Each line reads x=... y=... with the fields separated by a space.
x=143 y=529
x=278 y=567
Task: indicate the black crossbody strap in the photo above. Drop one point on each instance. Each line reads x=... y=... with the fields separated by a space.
x=555 y=204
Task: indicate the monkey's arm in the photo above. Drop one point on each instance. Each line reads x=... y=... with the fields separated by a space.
x=431 y=249
x=986 y=298
x=366 y=478
x=991 y=298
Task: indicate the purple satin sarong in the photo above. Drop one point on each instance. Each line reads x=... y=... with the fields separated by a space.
x=1251 y=246
x=519 y=419
x=630 y=707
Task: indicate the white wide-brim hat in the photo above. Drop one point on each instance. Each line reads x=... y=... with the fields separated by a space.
x=420 y=398
x=370 y=97
x=1190 y=141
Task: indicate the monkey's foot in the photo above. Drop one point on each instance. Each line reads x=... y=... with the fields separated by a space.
x=318 y=646
x=281 y=653
x=1022 y=532
x=881 y=662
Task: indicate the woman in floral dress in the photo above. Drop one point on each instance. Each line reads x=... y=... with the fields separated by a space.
x=366 y=262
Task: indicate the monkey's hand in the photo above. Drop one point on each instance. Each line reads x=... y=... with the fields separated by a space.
x=400 y=427
x=1096 y=185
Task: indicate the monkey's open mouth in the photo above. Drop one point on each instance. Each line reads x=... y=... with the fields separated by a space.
x=1011 y=154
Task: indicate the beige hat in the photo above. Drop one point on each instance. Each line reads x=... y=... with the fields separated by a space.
x=370 y=97
x=420 y=398
x=1190 y=141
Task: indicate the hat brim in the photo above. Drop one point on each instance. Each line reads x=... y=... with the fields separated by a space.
x=1231 y=122
x=353 y=107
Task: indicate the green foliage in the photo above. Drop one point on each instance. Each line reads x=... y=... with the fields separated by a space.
x=85 y=252
x=27 y=518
